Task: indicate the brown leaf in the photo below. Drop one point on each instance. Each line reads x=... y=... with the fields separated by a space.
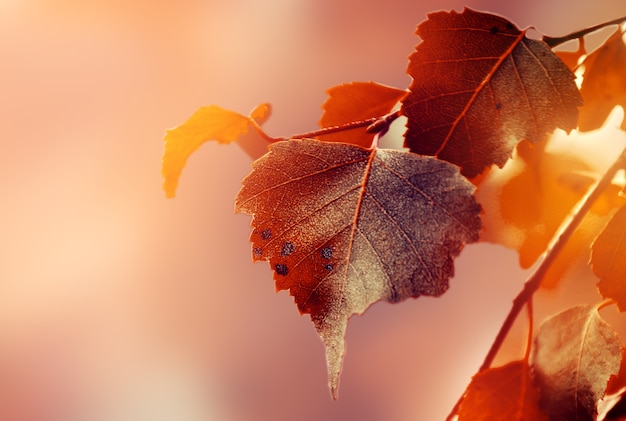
x=207 y=123
x=353 y=102
x=575 y=353
x=344 y=226
x=479 y=87
x=504 y=393
x=608 y=259
x=604 y=83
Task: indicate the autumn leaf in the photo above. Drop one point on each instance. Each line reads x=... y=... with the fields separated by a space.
x=575 y=354
x=604 y=83
x=549 y=178
x=479 y=87
x=343 y=227
x=504 y=393
x=608 y=259
x=207 y=123
x=354 y=102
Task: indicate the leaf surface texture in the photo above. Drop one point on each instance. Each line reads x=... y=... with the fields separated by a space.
x=479 y=87
x=575 y=354
x=343 y=227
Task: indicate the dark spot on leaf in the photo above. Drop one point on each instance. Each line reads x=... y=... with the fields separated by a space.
x=499 y=106
x=257 y=251
x=327 y=252
x=510 y=26
x=328 y=266
x=266 y=234
x=494 y=30
x=288 y=248
x=281 y=269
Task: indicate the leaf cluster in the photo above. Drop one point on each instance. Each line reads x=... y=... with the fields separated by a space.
x=344 y=223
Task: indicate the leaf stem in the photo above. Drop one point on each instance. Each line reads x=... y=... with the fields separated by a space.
x=374 y=125
x=559 y=240
x=529 y=335
x=555 y=41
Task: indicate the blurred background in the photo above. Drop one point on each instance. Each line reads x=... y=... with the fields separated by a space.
x=118 y=304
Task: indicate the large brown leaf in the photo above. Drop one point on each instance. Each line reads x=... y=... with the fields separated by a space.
x=343 y=227
x=608 y=259
x=479 y=87
x=604 y=82
x=504 y=393
x=575 y=354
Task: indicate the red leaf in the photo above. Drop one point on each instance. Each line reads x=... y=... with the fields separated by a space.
x=479 y=87
x=353 y=102
x=608 y=259
x=343 y=227
x=575 y=354
x=504 y=393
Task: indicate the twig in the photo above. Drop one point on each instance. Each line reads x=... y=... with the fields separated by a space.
x=555 y=41
x=559 y=240
x=374 y=125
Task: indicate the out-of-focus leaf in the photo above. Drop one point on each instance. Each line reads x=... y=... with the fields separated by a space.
x=604 y=83
x=608 y=259
x=575 y=354
x=207 y=123
x=502 y=394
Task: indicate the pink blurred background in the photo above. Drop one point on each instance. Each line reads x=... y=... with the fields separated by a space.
x=118 y=304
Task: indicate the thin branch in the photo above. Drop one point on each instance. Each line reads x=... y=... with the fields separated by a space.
x=559 y=240
x=529 y=335
x=555 y=41
x=374 y=125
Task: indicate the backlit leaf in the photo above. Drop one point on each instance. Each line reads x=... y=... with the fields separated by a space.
x=353 y=102
x=504 y=393
x=575 y=354
x=541 y=192
x=608 y=259
x=343 y=227
x=479 y=87
x=604 y=83
x=207 y=123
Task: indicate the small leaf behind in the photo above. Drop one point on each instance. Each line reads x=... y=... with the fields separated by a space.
x=575 y=354
x=504 y=393
x=353 y=102
x=608 y=259
x=344 y=226
x=479 y=87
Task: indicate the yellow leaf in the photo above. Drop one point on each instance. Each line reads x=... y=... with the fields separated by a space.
x=207 y=123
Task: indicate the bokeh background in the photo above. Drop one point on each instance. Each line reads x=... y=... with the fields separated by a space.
x=118 y=304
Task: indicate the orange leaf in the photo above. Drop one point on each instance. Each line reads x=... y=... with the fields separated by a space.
x=479 y=87
x=570 y=58
x=207 y=123
x=604 y=83
x=575 y=354
x=503 y=393
x=343 y=227
x=608 y=259
x=532 y=204
x=354 y=102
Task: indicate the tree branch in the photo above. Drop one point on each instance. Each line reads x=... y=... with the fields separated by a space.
x=555 y=41
x=559 y=240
